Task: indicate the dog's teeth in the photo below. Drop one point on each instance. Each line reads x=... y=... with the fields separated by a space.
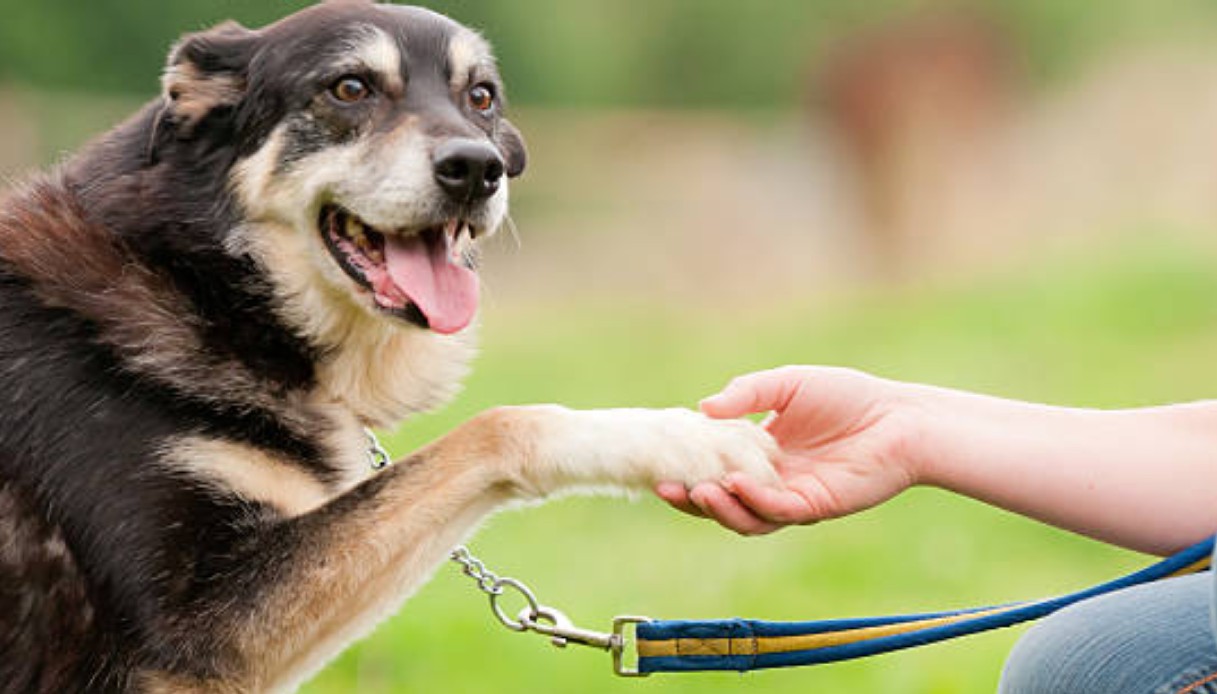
x=357 y=232
x=459 y=245
x=354 y=231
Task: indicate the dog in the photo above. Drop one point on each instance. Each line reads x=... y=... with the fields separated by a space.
x=203 y=311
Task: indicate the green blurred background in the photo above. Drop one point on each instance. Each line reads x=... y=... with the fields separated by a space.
x=1015 y=197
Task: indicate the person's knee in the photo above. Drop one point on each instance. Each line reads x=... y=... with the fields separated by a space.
x=1142 y=640
x=1055 y=655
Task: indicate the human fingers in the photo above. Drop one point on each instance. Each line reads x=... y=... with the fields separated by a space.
x=756 y=392
x=720 y=506
x=779 y=506
x=678 y=498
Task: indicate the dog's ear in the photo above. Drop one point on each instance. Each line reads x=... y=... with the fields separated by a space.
x=511 y=144
x=206 y=72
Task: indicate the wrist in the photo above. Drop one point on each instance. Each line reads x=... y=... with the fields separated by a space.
x=924 y=417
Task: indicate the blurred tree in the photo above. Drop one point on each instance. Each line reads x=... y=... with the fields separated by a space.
x=715 y=53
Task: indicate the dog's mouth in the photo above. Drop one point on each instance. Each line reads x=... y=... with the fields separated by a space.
x=418 y=275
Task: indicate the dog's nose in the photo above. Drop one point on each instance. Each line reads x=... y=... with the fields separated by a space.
x=467 y=170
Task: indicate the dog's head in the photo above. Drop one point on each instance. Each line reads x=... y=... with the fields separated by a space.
x=371 y=152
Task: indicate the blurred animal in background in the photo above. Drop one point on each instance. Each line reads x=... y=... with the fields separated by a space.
x=911 y=99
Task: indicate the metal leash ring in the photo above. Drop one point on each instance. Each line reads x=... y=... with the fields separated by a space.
x=532 y=611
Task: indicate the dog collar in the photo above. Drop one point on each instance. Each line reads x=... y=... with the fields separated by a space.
x=378 y=457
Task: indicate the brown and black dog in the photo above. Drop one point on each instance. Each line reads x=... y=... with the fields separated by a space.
x=200 y=313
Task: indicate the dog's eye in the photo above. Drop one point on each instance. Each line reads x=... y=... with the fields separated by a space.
x=350 y=89
x=481 y=98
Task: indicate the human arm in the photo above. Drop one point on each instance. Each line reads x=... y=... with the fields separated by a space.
x=1142 y=478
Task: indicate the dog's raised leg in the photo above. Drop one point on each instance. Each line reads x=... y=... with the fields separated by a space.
x=339 y=569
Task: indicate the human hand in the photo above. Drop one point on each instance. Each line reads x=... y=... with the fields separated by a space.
x=844 y=438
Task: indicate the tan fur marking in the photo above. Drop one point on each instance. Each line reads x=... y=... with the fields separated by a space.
x=378 y=52
x=254 y=176
x=193 y=94
x=466 y=51
x=168 y=683
x=252 y=474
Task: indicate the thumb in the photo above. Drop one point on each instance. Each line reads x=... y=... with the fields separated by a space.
x=757 y=392
x=734 y=401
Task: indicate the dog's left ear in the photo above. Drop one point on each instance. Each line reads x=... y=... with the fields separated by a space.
x=206 y=72
x=511 y=143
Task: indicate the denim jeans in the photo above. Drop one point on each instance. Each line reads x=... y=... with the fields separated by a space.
x=1151 y=639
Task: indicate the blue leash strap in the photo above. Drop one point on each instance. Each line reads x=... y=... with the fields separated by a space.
x=746 y=644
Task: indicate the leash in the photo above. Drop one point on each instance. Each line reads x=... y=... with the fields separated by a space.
x=738 y=644
x=747 y=644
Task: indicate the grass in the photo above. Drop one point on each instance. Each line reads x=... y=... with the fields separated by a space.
x=1122 y=328
x=1126 y=325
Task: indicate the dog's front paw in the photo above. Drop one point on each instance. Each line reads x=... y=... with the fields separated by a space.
x=636 y=448
x=692 y=448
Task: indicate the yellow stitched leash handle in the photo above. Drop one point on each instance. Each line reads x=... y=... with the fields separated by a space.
x=743 y=644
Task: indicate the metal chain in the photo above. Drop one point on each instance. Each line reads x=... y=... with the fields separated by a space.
x=471 y=566
x=495 y=586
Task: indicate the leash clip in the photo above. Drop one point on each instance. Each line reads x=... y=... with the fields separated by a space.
x=553 y=623
x=561 y=630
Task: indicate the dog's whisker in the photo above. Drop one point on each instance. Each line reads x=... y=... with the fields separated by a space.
x=514 y=231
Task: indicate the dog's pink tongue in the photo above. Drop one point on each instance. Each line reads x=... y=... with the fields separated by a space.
x=445 y=291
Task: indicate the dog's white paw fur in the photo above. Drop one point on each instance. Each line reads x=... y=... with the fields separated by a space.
x=636 y=448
